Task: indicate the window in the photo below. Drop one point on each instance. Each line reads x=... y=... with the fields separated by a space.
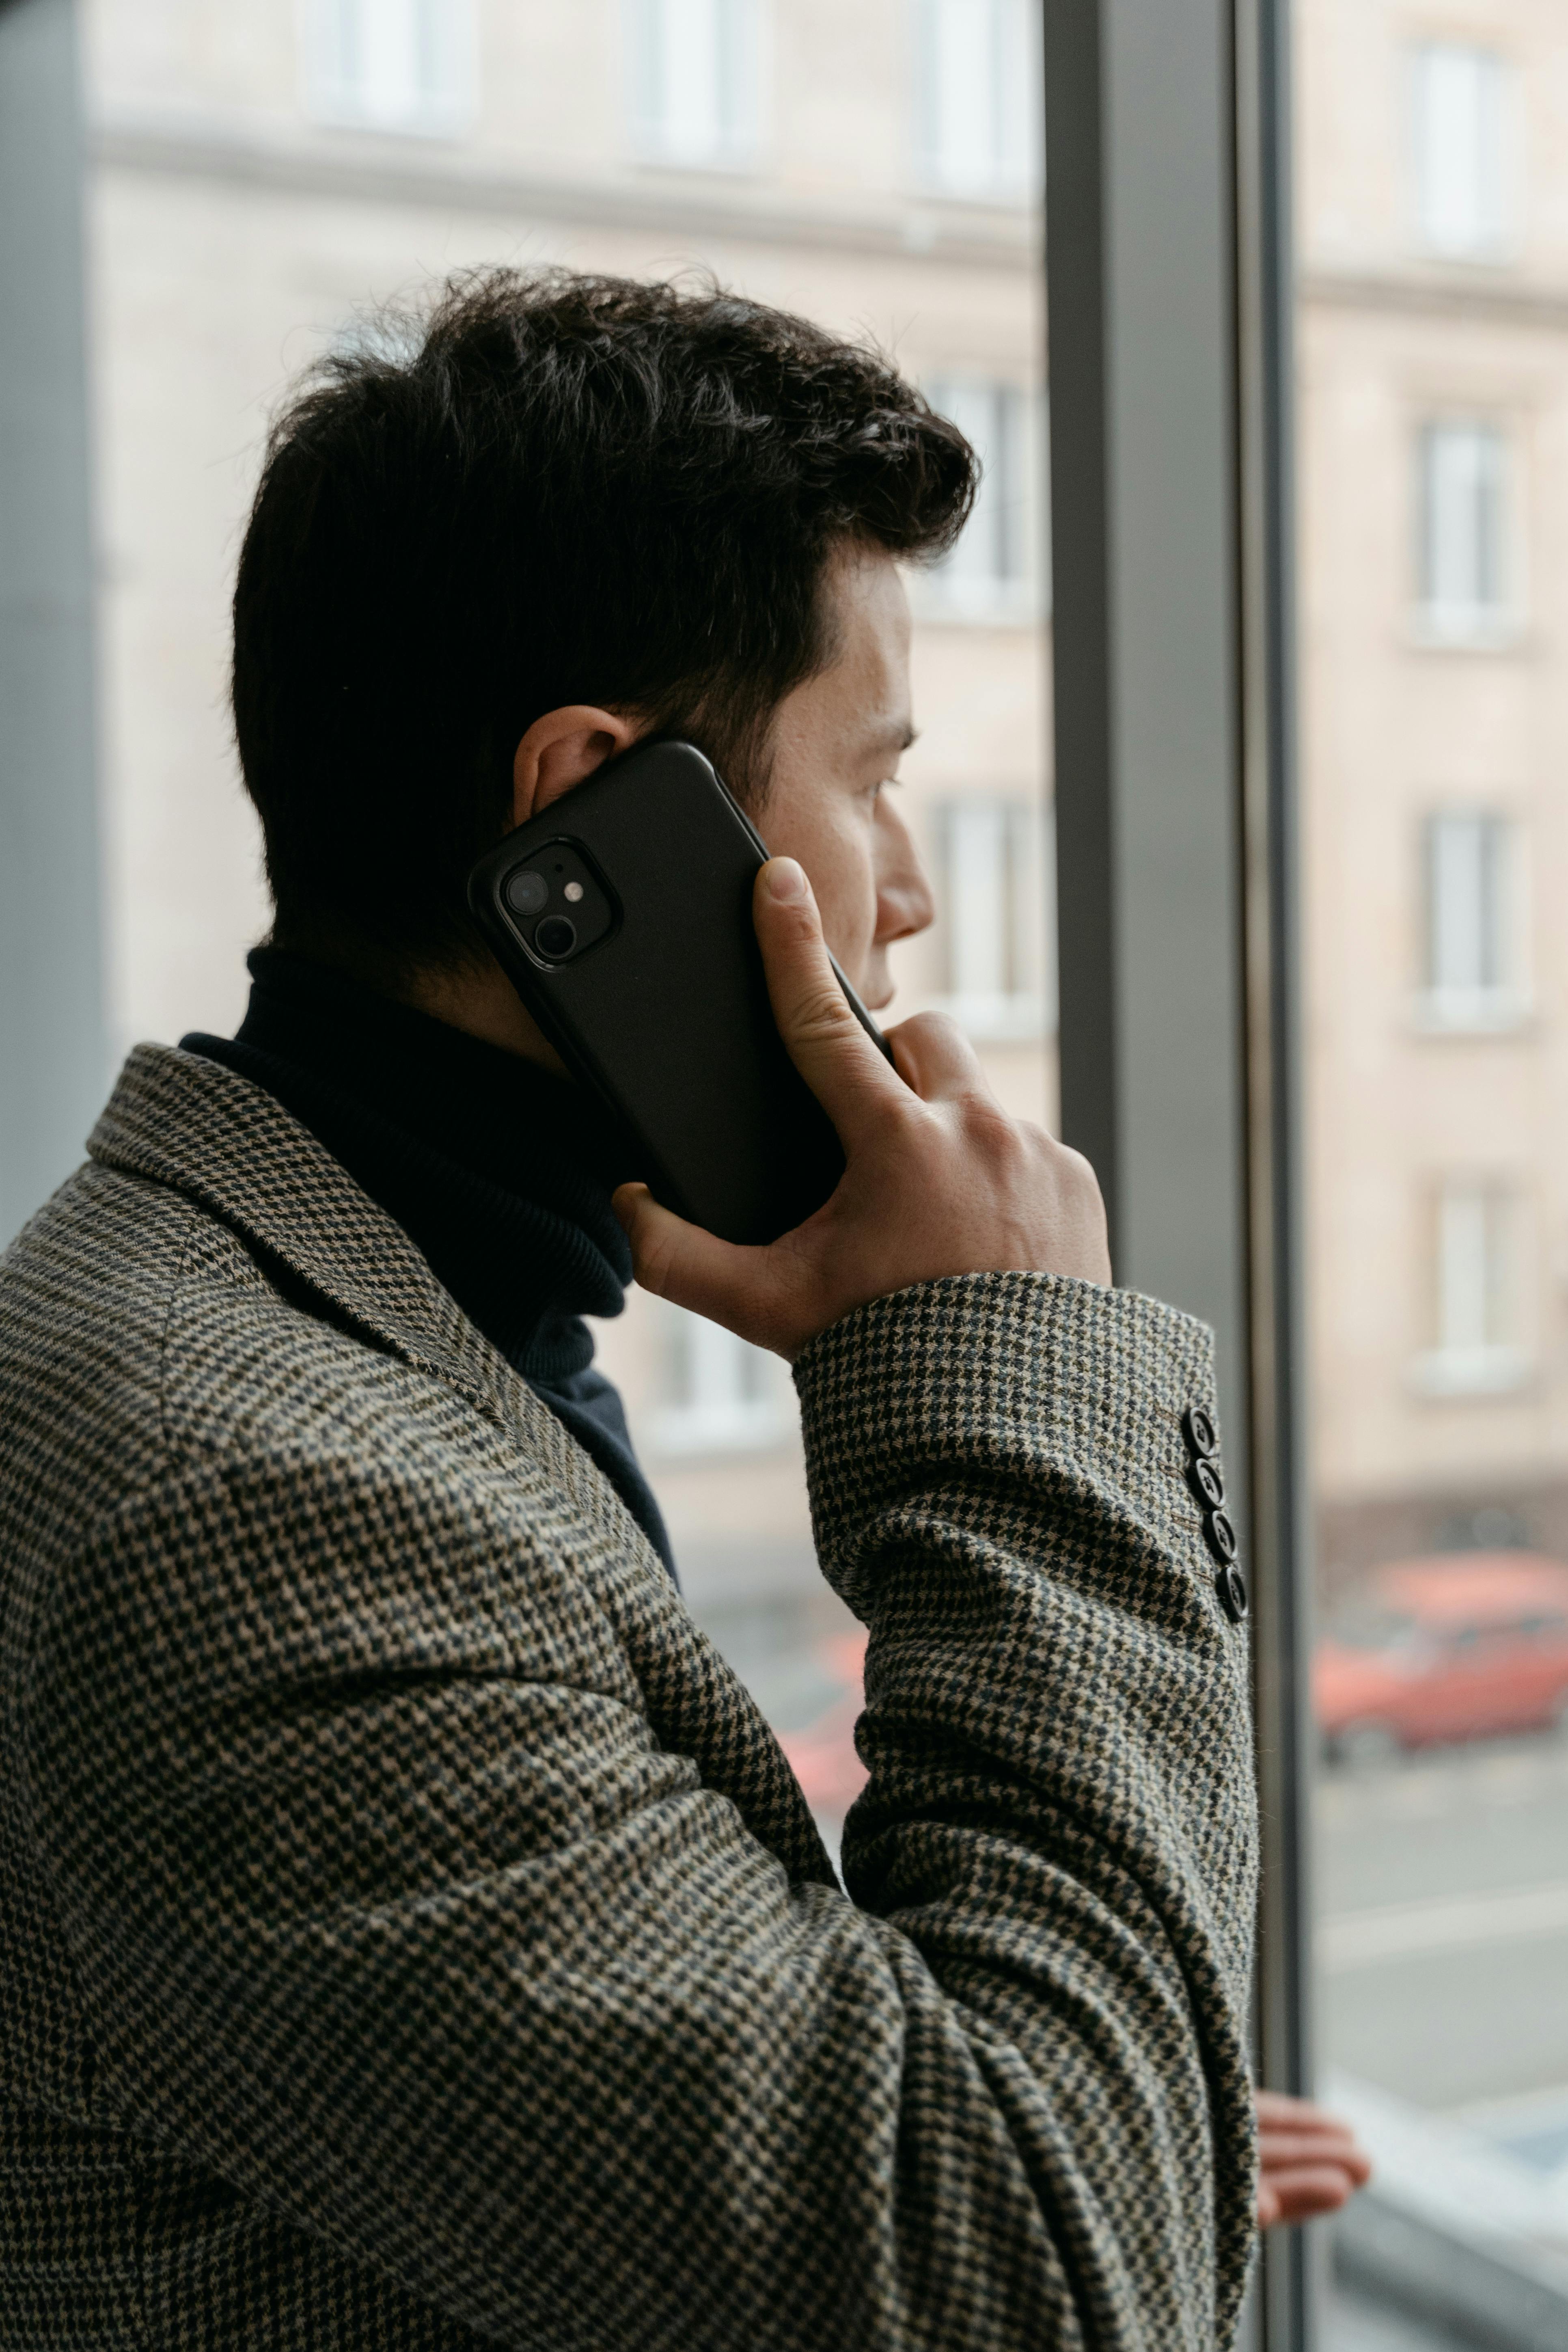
x=1461 y=158
x=996 y=893
x=694 y=66
x=1476 y=1351
x=719 y=1392
x=1463 y=550
x=977 y=78
x=393 y=65
x=995 y=571
x=1471 y=950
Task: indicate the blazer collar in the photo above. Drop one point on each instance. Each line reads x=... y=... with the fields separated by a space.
x=190 y=1123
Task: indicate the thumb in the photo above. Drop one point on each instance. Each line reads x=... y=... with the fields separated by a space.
x=845 y=1069
x=693 y=1269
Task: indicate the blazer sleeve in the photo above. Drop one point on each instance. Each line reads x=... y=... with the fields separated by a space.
x=389 y=1908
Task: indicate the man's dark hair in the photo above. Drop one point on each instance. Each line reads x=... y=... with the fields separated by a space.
x=548 y=488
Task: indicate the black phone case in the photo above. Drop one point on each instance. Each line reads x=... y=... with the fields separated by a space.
x=667 y=1015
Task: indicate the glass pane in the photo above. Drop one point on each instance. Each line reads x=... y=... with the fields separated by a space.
x=267 y=176
x=1433 y=381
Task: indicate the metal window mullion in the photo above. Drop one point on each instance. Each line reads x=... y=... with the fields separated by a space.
x=52 y=1030
x=1170 y=322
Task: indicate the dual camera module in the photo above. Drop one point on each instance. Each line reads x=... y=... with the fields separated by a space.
x=558 y=904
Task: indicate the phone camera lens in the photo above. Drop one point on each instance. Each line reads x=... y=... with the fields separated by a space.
x=526 y=891
x=556 y=938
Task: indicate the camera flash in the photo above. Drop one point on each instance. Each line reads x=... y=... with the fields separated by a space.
x=572 y=892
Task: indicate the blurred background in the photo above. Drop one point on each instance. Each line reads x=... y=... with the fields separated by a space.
x=260 y=172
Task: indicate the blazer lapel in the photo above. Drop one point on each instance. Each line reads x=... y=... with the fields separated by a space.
x=187 y=1122
x=190 y=1123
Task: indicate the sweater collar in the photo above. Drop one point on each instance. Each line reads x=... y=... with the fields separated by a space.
x=500 y=1172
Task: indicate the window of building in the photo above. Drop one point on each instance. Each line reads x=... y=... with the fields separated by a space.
x=996 y=894
x=720 y=1393
x=1475 y=1348
x=997 y=570
x=1472 y=959
x=976 y=76
x=1465 y=590
x=1461 y=150
x=393 y=65
x=694 y=67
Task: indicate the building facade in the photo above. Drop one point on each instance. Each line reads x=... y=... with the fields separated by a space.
x=266 y=171
x=1433 y=234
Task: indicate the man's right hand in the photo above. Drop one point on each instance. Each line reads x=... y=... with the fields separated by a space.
x=938 y=1180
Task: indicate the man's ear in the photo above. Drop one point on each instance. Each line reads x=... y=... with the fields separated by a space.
x=563 y=746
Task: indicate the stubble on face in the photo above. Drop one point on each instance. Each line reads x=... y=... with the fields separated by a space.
x=834 y=746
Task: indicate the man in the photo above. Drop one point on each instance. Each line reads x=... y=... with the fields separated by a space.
x=412 y=1934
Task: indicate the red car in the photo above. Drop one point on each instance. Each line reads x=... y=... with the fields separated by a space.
x=1461 y=1647
x=814 y=1715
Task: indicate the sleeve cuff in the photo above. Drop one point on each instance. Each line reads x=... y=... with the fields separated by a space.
x=1068 y=1395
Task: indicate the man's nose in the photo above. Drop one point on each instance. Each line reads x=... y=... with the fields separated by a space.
x=905 y=903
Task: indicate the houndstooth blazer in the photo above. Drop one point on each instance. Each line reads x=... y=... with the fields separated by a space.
x=412 y=1936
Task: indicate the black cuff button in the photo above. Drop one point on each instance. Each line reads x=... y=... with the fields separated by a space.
x=1221 y=1537
x=1199 y=1431
x=1231 y=1586
x=1207 y=1484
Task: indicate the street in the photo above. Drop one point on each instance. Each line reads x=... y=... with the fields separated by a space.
x=1442 y=1900
x=1442 y=1896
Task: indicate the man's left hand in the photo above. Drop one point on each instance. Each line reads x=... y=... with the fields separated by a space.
x=1308 y=2163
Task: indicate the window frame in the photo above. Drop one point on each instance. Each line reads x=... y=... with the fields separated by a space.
x=1008 y=422
x=1023 y=1009
x=1492 y=1004
x=1169 y=292
x=736 y=152
x=1476 y=621
x=1011 y=66
x=443 y=111
x=702 y=1424
x=1493 y=244
x=1469 y=1207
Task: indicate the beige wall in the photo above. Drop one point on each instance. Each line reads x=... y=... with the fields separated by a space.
x=235 y=237
x=1394 y=729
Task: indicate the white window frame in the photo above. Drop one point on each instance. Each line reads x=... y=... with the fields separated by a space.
x=999 y=570
x=996 y=894
x=416 y=65
x=978 y=134
x=1475 y=1248
x=1464 y=466
x=1474 y=936
x=1455 y=222
x=718 y=124
x=722 y=1395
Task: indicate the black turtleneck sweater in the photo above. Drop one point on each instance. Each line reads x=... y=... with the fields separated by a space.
x=499 y=1173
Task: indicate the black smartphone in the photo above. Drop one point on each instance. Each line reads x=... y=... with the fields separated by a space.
x=623 y=917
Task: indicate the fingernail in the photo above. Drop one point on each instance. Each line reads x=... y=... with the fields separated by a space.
x=625 y=1204
x=785 y=880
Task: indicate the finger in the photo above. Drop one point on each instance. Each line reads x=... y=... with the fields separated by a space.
x=838 y=1061
x=1313 y=2190
x=1281 y=2109
x=1317 y=2157
x=1289 y=2139
x=690 y=1266
x=933 y=1055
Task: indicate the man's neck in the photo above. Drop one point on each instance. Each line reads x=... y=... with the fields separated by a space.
x=483 y=1001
